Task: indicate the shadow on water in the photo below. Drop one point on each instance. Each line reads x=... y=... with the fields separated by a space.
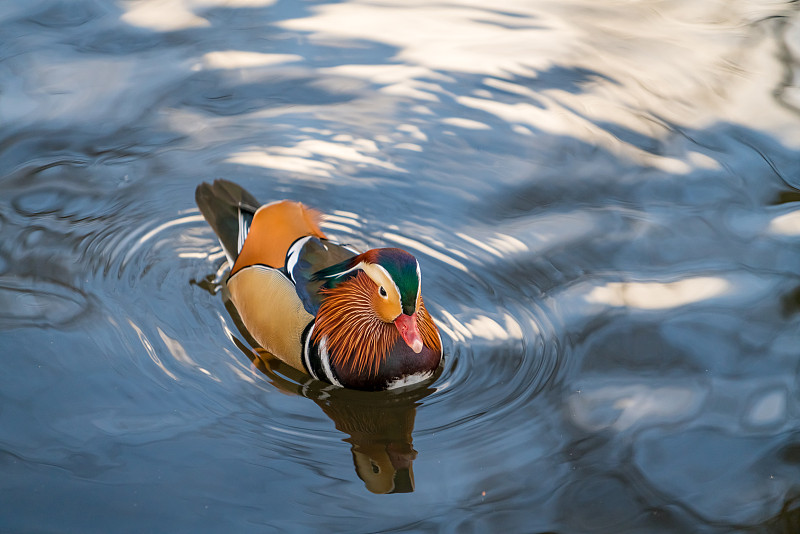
x=619 y=309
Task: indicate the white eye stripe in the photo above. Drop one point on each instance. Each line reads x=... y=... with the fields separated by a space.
x=388 y=277
x=419 y=282
x=384 y=281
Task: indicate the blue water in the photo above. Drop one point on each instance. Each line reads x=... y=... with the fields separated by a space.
x=604 y=198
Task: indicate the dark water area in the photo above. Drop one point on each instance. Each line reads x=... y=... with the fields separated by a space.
x=604 y=198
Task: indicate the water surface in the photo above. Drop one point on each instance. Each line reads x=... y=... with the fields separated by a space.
x=603 y=197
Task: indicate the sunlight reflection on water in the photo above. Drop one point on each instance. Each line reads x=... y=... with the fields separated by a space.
x=602 y=197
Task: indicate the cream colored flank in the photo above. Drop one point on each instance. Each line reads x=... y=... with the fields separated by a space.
x=266 y=300
x=271 y=311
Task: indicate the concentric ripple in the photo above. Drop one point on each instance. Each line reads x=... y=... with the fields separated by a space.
x=603 y=197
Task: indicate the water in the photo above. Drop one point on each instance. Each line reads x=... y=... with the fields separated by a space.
x=603 y=197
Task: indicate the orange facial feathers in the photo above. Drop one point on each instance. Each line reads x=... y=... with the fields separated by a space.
x=427 y=329
x=356 y=336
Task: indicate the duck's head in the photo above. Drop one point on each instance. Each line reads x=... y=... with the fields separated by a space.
x=390 y=282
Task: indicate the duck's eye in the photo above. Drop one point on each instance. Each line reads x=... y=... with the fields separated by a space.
x=383 y=292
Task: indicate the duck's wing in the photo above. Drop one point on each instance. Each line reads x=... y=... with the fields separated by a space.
x=307 y=256
x=252 y=234
x=275 y=228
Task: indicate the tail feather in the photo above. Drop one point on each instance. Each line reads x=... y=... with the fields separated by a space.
x=229 y=210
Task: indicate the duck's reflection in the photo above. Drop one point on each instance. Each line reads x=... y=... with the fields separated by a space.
x=379 y=424
x=380 y=438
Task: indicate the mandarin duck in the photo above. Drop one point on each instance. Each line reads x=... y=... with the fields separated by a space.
x=355 y=320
